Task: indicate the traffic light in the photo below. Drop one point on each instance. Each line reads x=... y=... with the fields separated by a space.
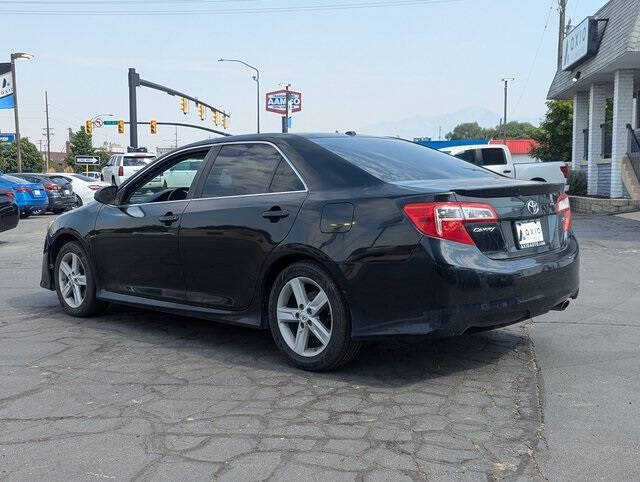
x=88 y=127
x=202 y=110
x=120 y=126
x=154 y=126
x=225 y=121
x=184 y=105
x=216 y=117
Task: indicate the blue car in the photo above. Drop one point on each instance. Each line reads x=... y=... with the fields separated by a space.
x=31 y=197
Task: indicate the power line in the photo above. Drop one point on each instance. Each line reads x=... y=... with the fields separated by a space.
x=234 y=11
x=117 y=2
x=533 y=63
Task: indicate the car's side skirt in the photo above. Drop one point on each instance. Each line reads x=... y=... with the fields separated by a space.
x=249 y=317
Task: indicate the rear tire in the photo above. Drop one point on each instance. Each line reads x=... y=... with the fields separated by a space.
x=75 y=282
x=113 y=181
x=326 y=332
x=78 y=201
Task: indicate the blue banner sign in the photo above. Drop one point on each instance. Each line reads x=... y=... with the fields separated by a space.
x=6 y=86
x=7 y=138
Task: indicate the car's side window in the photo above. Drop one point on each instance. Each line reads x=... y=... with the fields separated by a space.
x=242 y=169
x=493 y=156
x=167 y=185
x=285 y=179
x=468 y=155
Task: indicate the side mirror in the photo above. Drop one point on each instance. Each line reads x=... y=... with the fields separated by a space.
x=106 y=195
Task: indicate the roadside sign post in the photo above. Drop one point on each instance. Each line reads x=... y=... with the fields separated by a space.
x=87 y=161
x=284 y=102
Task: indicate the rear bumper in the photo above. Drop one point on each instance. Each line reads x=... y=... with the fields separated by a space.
x=61 y=203
x=9 y=217
x=451 y=288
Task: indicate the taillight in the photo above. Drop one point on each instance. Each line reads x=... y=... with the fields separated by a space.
x=10 y=195
x=121 y=171
x=446 y=220
x=22 y=189
x=565 y=170
x=564 y=210
x=52 y=187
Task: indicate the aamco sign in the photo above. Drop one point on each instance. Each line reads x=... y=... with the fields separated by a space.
x=276 y=101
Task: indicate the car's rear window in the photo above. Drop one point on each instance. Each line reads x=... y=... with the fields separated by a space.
x=136 y=161
x=396 y=160
x=82 y=177
x=16 y=180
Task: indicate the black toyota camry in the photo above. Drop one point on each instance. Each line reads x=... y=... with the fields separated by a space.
x=325 y=239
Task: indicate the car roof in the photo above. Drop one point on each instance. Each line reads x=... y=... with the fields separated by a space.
x=137 y=154
x=470 y=146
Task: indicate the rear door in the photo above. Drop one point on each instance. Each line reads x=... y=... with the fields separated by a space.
x=247 y=203
x=495 y=158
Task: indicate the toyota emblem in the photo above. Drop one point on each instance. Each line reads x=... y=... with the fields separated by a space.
x=533 y=207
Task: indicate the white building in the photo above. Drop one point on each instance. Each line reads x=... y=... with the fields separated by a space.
x=601 y=62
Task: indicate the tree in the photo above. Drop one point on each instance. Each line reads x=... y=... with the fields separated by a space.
x=555 y=132
x=80 y=146
x=469 y=130
x=517 y=130
x=31 y=158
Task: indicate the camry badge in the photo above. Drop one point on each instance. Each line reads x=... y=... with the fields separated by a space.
x=533 y=206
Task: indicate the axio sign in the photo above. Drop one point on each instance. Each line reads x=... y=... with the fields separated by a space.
x=276 y=101
x=580 y=43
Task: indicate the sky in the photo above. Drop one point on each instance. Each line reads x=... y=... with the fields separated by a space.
x=363 y=64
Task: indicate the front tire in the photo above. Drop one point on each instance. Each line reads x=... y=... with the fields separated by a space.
x=75 y=283
x=309 y=320
x=78 y=201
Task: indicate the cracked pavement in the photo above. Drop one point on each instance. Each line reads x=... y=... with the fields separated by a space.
x=135 y=394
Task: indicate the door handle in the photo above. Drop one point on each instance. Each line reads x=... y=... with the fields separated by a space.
x=275 y=213
x=507 y=171
x=168 y=218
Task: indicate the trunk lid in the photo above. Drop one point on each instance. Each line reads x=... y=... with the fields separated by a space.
x=527 y=220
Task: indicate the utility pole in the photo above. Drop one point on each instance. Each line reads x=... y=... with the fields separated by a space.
x=506 y=81
x=46 y=109
x=176 y=146
x=562 y=7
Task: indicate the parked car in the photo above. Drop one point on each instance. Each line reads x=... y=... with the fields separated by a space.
x=60 y=193
x=326 y=239
x=31 y=197
x=93 y=174
x=121 y=166
x=9 y=211
x=497 y=158
x=181 y=174
x=84 y=187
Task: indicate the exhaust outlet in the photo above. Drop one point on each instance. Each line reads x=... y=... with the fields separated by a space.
x=561 y=306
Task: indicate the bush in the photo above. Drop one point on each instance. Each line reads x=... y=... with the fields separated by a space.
x=577 y=181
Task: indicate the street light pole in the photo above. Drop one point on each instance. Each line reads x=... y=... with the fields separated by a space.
x=506 y=81
x=257 y=80
x=14 y=56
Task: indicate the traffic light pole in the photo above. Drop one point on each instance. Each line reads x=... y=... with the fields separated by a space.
x=136 y=81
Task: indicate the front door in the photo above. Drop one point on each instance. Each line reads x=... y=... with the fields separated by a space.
x=136 y=241
x=248 y=202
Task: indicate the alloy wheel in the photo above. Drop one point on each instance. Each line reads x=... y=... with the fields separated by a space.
x=304 y=316
x=72 y=279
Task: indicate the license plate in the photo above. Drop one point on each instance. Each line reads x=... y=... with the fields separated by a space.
x=36 y=192
x=529 y=234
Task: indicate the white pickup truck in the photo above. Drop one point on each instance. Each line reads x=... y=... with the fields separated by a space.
x=497 y=158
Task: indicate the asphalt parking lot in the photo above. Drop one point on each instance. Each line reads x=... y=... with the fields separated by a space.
x=135 y=394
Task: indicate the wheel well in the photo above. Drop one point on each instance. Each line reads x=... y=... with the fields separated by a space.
x=59 y=242
x=539 y=179
x=273 y=271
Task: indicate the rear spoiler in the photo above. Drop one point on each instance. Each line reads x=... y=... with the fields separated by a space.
x=513 y=190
